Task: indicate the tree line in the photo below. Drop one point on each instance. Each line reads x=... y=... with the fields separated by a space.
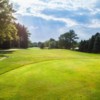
x=15 y=35
x=67 y=40
x=12 y=35
x=92 y=45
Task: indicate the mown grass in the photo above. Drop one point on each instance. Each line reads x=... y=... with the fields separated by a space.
x=35 y=74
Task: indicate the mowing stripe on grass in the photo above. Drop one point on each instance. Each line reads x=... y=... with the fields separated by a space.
x=29 y=64
x=3 y=58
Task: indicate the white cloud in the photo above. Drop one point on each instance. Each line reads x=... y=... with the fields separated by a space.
x=95 y=23
x=80 y=30
x=67 y=21
x=37 y=6
x=56 y=4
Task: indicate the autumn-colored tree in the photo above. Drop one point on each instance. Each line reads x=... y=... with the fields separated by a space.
x=23 y=35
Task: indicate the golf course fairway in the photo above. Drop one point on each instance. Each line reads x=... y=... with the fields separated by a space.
x=35 y=74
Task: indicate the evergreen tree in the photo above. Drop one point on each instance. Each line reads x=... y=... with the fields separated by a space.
x=81 y=46
x=91 y=44
x=96 y=47
x=86 y=44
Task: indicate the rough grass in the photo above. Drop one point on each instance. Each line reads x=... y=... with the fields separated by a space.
x=35 y=74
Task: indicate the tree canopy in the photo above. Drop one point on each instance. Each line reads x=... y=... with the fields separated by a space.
x=92 y=45
x=12 y=35
x=8 y=30
x=68 y=40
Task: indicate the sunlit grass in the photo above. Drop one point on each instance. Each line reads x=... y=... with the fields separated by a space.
x=35 y=74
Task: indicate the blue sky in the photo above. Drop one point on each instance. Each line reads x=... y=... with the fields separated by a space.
x=50 y=18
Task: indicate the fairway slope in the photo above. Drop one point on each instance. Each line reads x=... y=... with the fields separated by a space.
x=50 y=75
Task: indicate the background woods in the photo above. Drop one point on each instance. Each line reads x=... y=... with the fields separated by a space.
x=11 y=34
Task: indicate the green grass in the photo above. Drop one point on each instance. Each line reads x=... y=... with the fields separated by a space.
x=35 y=74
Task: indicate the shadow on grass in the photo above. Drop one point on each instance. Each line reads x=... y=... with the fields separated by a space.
x=5 y=52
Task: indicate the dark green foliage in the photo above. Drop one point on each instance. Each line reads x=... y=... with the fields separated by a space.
x=5 y=45
x=52 y=43
x=96 y=47
x=92 y=45
x=83 y=46
x=30 y=44
x=68 y=40
x=35 y=44
x=41 y=45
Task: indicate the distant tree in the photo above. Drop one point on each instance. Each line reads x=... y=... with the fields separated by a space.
x=91 y=45
x=35 y=44
x=68 y=40
x=53 y=43
x=81 y=47
x=96 y=47
x=23 y=35
x=46 y=44
x=30 y=44
x=86 y=44
x=41 y=45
